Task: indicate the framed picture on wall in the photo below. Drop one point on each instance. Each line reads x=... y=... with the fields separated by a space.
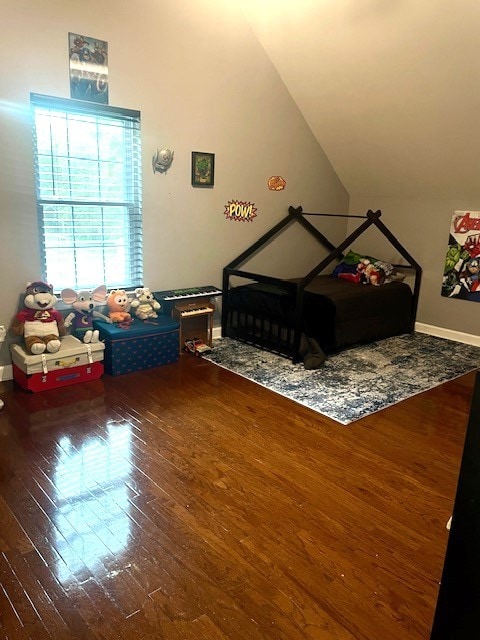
x=88 y=68
x=203 y=169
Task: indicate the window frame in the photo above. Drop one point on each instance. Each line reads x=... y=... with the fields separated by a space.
x=131 y=177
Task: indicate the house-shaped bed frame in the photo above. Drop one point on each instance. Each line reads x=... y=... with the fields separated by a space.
x=286 y=339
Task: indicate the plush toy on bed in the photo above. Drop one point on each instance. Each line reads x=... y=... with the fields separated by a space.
x=81 y=318
x=40 y=324
x=118 y=305
x=366 y=270
x=144 y=304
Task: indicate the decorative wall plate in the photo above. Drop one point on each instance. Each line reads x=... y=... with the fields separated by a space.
x=276 y=183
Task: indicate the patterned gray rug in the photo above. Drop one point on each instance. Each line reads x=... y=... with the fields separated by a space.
x=358 y=381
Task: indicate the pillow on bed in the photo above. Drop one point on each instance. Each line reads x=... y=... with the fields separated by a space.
x=366 y=270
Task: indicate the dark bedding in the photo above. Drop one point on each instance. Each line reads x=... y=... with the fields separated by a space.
x=337 y=312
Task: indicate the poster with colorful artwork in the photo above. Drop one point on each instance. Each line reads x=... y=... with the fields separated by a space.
x=461 y=275
x=88 y=68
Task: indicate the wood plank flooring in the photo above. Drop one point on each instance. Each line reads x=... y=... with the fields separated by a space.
x=188 y=503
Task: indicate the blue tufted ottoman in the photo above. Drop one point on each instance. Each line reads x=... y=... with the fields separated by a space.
x=143 y=345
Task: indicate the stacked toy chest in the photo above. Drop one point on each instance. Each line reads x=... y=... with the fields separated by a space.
x=74 y=362
x=47 y=357
x=143 y=344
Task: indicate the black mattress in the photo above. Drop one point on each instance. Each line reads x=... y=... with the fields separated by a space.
x=337 y=312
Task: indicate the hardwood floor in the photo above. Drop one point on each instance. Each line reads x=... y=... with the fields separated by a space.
x=188 y=503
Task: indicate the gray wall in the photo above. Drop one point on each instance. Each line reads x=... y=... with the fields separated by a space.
x=423 y=225
x=202 y=83
x=387 y=89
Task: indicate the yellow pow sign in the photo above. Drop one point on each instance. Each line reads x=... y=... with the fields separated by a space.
x=238 y=210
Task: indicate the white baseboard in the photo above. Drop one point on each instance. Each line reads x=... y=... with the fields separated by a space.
x=217 y=333
x=448 y=334
x=6 y=372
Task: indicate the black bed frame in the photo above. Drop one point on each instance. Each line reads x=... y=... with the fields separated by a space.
x=285 y=340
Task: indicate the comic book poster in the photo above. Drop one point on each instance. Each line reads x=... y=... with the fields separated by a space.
x=88 y=68
x=461 y=275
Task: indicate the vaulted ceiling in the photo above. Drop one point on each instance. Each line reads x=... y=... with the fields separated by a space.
x=390 y=88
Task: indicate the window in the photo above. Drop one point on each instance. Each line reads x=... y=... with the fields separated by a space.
x=88 y=181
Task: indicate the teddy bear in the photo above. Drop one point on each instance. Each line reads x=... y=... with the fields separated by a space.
x=144 y=304
x=118 y=306
x=39 y=323
x=81 y=318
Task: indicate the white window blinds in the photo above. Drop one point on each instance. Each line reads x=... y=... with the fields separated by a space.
x=88 y=179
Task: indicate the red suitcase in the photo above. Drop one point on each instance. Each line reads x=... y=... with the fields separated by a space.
x=74 y=362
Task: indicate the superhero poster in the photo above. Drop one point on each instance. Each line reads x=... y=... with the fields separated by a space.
x=88 y=68
x=461 y=275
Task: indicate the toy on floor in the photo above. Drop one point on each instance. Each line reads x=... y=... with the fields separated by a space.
x=81 y=318
x=196 y=346
x=40 y=324
x=118 y=305
x=144 y=304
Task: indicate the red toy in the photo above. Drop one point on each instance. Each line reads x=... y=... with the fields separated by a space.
x=196 y=346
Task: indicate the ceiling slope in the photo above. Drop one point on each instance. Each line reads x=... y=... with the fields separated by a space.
x=390 y=88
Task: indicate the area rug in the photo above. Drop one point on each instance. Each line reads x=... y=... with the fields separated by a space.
x=357 y=381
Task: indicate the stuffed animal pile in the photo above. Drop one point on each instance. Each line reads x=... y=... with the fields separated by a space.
x=42 y=326
x=39 y=323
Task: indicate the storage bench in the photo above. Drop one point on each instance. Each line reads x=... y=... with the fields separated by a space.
x=143 y=345
x=74 y=362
